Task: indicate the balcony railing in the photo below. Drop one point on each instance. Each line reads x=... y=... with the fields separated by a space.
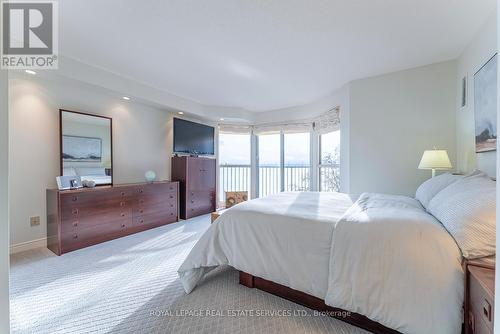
x=296 y=177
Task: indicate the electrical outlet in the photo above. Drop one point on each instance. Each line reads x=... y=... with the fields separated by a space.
x=35 y=221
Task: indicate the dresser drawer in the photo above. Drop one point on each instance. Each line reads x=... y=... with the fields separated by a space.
x=481 y=305
x=97 y=196
x=155 y=219
x=151 y=200
x=200 y=202
x=84 y=237
x=170 y=206
x=88 y=216
x=155 y=189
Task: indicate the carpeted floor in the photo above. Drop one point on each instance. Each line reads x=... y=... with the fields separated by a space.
x=130 y=285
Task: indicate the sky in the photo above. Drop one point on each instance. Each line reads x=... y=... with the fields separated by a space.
x=234 y=149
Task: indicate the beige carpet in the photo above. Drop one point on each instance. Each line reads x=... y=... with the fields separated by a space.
x=130 y=285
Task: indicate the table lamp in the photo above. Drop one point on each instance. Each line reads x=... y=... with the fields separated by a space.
x=435 y=160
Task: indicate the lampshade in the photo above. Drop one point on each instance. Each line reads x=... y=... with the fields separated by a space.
x=435 y=159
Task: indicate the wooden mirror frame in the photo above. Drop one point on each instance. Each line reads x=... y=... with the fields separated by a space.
x=61 y=164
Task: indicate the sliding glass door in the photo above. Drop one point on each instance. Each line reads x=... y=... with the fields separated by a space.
x=234 y=163
x=269 y=164
x=297 y=161
x=269 y=161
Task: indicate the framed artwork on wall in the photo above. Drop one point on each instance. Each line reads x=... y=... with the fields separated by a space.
x=485 y=106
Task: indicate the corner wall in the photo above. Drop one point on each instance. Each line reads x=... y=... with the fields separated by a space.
x=4 y=201
x=139 y=143
x=479 y=51
x=393 y=118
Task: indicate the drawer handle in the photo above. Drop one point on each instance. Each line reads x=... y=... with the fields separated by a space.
x=141 y=221
x=123 y=214
x=171 y=213
x=75 y=224
x=123 y=193
x=122 y=203
x=141 y=201
x=123 y=225
x=171 y=188
x=192 y=201
x=141 y=211
x=487 y=310
x=171 y=205
x=192 y=194
x=74 y=198
x=141 y=190
x=75 y=211
x=75 y=236
x=171 y=196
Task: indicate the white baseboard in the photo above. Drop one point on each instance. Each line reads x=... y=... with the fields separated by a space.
x=27 y=245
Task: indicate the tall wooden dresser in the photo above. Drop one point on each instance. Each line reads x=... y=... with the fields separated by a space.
x=197 y=185
x=85 y=217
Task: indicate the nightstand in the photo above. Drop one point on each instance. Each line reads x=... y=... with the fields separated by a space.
x=216 y=214
x=479 y=298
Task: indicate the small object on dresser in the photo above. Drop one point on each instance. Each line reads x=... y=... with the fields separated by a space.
x=150 y=176
x=88 y=183
x=216 y=214
x=68 y=182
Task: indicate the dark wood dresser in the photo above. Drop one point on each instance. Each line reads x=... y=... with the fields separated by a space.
x=479 y=298
x=197 y=185
x=85 y=217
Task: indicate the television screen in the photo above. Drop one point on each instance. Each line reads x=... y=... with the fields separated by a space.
x=193 y=138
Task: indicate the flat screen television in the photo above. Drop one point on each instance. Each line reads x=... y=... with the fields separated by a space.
x=193 y=138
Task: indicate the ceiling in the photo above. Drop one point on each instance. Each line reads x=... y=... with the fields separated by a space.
x=264 y=55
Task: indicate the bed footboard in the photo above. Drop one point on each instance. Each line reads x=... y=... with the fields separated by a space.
x=314 y=303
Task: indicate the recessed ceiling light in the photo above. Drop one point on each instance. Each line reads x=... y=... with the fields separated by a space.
x=30 y=72
x=181 y=113
x=221 y=119
x=126 y=98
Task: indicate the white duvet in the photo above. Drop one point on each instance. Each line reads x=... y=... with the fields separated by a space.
x=383 y=256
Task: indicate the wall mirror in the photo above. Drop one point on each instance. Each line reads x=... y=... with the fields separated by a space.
x=86 y=147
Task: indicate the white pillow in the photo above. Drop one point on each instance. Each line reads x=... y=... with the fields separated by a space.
x=84 y=171
x=432 y=186
x=69 y=171
x=467 y=209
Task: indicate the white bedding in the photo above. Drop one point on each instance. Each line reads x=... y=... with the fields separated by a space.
x=396 y=264
x=385 y=257
x=285 y=238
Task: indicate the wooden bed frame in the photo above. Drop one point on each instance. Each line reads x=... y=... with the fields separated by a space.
x=314 y=303
x=352 y=318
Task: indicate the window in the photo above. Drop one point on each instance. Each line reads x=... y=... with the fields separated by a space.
x=234 y=163
x=269 y=164
x=329 y=164
x=297 y=165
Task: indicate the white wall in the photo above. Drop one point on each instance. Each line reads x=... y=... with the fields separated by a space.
x=139 y=141
x=4 y=207
x=482 y=48
x=393 y=118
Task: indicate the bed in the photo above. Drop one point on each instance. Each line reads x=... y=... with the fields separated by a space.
x=383 y=257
